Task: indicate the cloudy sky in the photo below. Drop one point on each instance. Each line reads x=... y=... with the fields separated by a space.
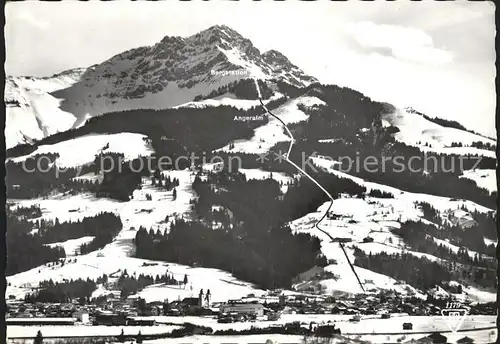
x=437 y=57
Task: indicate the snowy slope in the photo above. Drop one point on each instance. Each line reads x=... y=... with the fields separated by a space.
x=266 y=136
x=372 y=281
x=32 y=113
x=415 y=130
x=117 y=256
x=372 y=217
x=486 y=179
x=82 y=150
x=173 y=72
x=438 y=202
x=229 y=99
x=71 y=247
x=259 y=174
x=170 y=73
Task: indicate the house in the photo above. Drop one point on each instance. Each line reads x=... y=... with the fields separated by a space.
x=113 y=295
x=333 y=216
x=461 y=218
x=338 y=310
x=82 y=317
x=407 y=326
x=256 y=309
x=132 y=299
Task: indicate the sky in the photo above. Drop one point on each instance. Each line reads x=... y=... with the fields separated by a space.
x=437 y=57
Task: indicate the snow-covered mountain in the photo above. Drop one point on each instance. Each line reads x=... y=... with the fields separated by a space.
x=181 y=74
x=172 y=72
x=416 y=130
x=32 y=111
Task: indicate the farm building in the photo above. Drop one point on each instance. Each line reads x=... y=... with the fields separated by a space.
x=461 y=218
x=256 y=309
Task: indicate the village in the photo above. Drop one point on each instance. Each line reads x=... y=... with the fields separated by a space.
x=133 y=310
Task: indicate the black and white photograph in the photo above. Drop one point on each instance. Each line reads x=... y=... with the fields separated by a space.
x=264 y=172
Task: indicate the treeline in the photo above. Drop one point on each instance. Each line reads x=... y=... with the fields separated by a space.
x=419 y=236
x=445 y=122
x=159 y=179
x=404 y=167
x=242 y=89
x=26 y=213
x=120 y=178
x=62 y=292
x=439 y=121
x=270 y=259
x=430 y=213
x=101 y=238
x=345 y=114
x=129 y=285
x=355 y=121
x=418 y=272
x=380 y=194
x=472 y=236
x=39 y=176
x=183 y=129
x=24 y=250
x=475 y=144
x=483 y=145
x=304 y=197
x=292 y=90
x=251 y=239
x=103 y=226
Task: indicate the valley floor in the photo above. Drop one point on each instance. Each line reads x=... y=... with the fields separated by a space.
x=373 y=330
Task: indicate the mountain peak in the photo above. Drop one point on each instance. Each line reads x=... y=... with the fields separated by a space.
x=171 y=39
x=223 y=29
x=220 y=35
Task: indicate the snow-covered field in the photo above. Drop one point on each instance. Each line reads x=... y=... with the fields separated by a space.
x=72 y=246
x=370 y=328
x=37 y=113
x=229 y=99
x=486 y=179
x=367 y=324
x=479 y=336
x=415 y=130
x=83 y=150
x=16 y=331
x=440 y=203
x=266 y=136
x=372 y=217
x=117 y=256
x=259 y=174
